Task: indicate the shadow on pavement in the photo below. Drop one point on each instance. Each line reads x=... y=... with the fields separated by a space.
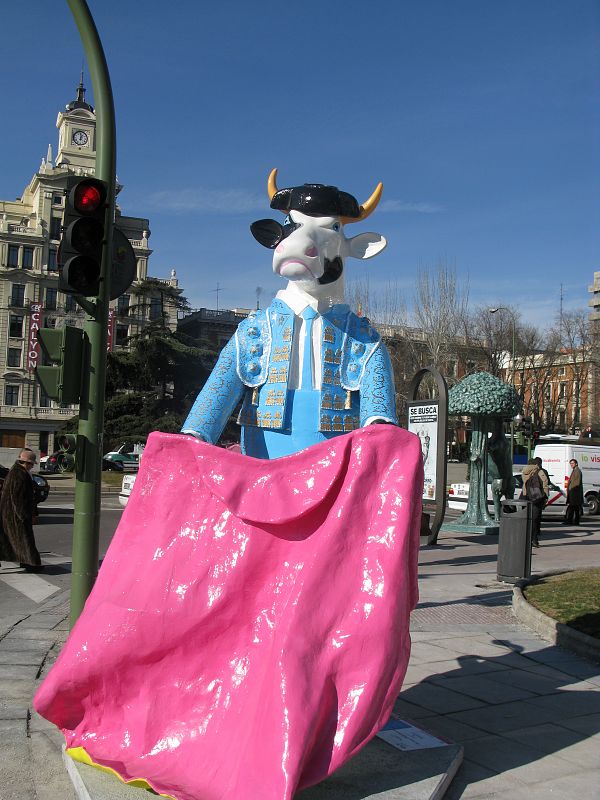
x=509 y=712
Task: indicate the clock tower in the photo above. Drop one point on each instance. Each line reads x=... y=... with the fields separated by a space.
x=77 y=134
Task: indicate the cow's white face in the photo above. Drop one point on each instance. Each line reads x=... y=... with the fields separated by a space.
x=314 y=252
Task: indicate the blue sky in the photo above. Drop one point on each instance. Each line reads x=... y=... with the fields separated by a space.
x=481 y=119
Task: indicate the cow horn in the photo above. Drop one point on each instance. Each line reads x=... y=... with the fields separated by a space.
x=272 y=184
x=367 y=208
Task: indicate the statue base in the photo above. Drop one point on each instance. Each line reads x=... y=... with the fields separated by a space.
x=456 y=527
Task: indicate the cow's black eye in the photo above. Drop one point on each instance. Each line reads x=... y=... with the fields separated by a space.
x=336 y=226
x=289 y=226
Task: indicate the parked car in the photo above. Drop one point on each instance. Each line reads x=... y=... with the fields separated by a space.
x=124 y=456
x=41 y=487
x=57 y=462
x=112 y=466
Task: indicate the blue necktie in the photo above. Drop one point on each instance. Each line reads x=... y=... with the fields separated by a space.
x=308 y=315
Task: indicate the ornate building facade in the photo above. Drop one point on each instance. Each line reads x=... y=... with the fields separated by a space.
x=30 y=232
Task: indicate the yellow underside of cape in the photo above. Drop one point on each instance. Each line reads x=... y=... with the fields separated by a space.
x=79 y=754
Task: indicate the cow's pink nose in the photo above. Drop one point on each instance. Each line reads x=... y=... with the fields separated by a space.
x=311 y=251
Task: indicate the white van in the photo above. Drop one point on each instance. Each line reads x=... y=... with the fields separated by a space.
x=555 y=460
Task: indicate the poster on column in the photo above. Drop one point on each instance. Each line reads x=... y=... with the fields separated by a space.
x=423 y=421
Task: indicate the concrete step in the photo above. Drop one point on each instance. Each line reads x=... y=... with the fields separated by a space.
x=381 y=771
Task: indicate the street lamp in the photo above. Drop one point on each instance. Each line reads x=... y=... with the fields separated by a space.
x=512 y=422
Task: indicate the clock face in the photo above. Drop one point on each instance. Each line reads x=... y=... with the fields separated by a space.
x=80 y=137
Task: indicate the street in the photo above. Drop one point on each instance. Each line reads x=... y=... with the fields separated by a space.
x=54 y=534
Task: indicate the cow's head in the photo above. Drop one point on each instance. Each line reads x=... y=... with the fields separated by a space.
x=310 y=246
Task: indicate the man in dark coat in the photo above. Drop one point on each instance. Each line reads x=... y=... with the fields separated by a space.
x=17 y=542
x=574 y=495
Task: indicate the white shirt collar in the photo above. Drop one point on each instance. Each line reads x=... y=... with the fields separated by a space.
x=298 y=300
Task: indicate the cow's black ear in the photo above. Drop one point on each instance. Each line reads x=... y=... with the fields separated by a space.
x=267 y=232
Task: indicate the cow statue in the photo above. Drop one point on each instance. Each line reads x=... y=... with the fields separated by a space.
x=307 y=367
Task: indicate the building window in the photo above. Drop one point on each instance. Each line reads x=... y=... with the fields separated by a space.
x=562 y=418
x=15 y=326
x=57 y=200
x=547 y=390
x=451 y=368
x=55 y=227
x=17 y=295
x=123 y=305
x=122 y=334
x=14 y=357
x=52 y=265
x=70 y=304
x=561 y=370
x=13 y=255
x=11 y=395
x=44 y=400
x=27 y=257
x=155 y=307
x=51 y=295
x=562 y=391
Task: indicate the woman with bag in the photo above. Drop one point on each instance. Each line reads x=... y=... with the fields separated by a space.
x=535 y=489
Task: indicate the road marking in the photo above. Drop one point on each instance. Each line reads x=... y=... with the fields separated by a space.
x=32 y=586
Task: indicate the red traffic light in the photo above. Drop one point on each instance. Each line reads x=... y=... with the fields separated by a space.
x=88 y=196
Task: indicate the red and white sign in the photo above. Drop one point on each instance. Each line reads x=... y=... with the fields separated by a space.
x=111 y=330
x=33 y=346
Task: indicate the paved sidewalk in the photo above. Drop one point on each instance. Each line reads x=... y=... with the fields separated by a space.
x=527 y=713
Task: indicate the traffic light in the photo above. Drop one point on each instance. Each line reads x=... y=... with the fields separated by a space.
x=80 y=252
x=63 y=347
x=527 y=428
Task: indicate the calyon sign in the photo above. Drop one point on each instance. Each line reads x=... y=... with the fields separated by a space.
x=33 y=346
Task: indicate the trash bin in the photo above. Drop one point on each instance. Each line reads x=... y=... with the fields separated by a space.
x=514 y=541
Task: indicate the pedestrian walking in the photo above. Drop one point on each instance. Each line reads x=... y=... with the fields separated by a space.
x=535 y=489
x=574 y=495
x=17 y=542
x=543 y=472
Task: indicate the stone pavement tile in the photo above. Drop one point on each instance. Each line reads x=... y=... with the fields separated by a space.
x=523 y=762
x=14 y=728
x=522 y=679
x=15 y=689
x=8 y=621
x=15 y=773
x=580 y=785
x=549 y=738
x=585 y=753
x=47 y=620
x=570 y=703
x=483 y=688
x=566 y=662
x=589 y=724
x=451 y=729
x=474 y=781
x=426 y=652
x=25 y=658
x=580 y=686
x=20 y=632
x=477 y=646
x=14 y=671
x=454 y=668
x=13 y=709
x=50 y=778
x=438 y=699
x=506 y=716
x=409 y=711
x=436 y=635
x=11 y=644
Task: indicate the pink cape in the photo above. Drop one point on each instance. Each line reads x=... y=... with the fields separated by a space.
x=249 y=628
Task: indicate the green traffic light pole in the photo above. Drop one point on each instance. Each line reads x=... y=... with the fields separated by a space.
x=86 y=521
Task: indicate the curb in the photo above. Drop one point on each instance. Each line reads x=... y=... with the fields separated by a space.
x=549 y=629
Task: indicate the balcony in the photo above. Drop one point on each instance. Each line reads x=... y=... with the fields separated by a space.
x=37 y=412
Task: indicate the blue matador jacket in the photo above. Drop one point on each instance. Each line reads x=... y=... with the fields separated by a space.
x=357 y=378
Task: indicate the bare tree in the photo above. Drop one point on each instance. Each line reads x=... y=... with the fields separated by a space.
x=440 y=310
